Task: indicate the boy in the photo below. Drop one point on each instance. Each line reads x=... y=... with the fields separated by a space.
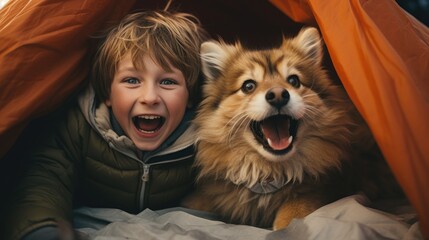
x=127 y=143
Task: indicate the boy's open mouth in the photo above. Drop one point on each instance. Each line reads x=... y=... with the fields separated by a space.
x=275 y=133
x=148 y=123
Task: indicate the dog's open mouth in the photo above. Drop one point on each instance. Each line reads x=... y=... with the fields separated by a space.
x=148 y=124
x=275 y=133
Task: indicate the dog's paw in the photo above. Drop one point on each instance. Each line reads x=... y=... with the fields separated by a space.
x=281 y=222
x=298 y=208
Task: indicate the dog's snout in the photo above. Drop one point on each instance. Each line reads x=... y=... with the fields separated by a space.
x=277 y=97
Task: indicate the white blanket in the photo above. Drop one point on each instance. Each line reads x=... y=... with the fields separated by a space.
x=347 y=218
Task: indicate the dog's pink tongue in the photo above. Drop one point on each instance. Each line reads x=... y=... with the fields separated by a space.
x=276 y=131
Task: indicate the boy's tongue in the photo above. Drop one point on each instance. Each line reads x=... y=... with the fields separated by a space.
x=276 y=131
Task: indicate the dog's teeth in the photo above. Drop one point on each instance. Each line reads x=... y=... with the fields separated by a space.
x=269 y=142
x=290 y=139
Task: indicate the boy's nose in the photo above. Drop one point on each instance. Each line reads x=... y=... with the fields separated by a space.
x=149 y=95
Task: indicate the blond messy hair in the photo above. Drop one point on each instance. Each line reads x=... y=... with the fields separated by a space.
x=169 y=38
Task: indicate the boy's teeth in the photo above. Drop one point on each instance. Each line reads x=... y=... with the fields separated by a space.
x=148 y=123
x=148 y=117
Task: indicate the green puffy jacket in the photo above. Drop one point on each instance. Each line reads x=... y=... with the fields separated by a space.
x=82 y=161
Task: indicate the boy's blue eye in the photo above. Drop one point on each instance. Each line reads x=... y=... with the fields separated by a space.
x=168 y=81
x=131 y=80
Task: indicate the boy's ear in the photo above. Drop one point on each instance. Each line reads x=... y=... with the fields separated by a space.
x=107 y=102
x=310 y=42
x=214 y=57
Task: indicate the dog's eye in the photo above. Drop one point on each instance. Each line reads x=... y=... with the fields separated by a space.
x=248 y=86
x=294 y=81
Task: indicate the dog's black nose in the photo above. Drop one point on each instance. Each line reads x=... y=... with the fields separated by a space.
x=277 y=97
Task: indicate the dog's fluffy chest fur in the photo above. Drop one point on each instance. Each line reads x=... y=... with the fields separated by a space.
x=240 y=205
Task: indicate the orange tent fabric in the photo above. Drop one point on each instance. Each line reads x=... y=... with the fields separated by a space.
x=44 y=50
x=381 y=55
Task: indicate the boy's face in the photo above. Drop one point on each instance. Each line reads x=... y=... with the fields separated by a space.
x=149 y=104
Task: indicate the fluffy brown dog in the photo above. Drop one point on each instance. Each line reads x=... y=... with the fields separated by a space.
x=275 y=135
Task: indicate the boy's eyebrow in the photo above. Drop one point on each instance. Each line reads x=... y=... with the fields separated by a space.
x=127 y=68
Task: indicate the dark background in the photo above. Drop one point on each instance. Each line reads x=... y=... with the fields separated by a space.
x=418 y=8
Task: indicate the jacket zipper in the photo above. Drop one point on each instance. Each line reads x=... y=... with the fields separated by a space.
x=146 y=177
x=146 y=172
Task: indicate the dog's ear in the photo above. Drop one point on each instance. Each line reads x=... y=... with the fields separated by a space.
x=214 y=57
x=310 y=42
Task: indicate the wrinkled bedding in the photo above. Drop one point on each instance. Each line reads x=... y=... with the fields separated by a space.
x=353 y=217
